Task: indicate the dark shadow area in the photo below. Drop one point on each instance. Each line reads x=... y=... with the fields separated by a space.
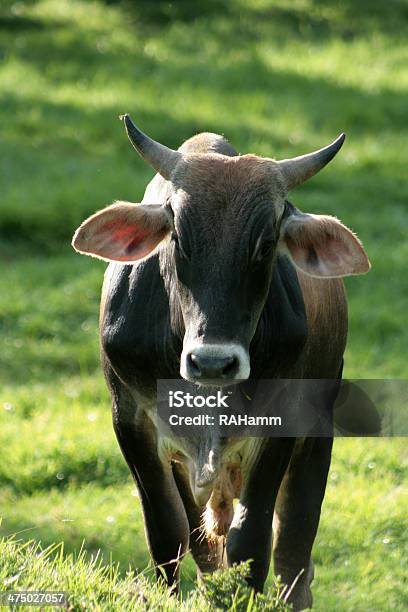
x=318 y=18
x=12 y=18
x=162 y=12
x=368 y=15
x=321 y=19
x=15 y=24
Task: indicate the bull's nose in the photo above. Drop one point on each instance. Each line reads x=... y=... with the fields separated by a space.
x=214 y=364
x=206 y=366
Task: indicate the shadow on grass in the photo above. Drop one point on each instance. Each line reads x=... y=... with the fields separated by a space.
x=92 y=135
x=321 y=100
x=314 y=18
x=313 y=97
x=13 y=23
x=163 y=12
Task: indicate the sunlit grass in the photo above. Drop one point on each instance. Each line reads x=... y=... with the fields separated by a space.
x=89 y=583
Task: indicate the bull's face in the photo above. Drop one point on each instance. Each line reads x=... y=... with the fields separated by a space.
x=219 y=234
x=226 y=220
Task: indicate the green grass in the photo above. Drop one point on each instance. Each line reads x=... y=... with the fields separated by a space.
x=89 y=584
x=277 y=79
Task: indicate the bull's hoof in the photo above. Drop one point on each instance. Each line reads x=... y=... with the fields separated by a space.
x=301 y=596
x=301 y=599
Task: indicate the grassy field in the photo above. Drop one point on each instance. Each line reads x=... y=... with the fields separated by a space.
x=276 y=78
x=93 y=585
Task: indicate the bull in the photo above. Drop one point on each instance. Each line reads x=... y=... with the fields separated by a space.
x=215 y=277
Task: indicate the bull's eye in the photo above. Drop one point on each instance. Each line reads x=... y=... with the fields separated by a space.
x=263 y=250
x=179 y=249
x=175 y=239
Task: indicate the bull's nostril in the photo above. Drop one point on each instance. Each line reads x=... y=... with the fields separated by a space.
x=231 y=367
x=194 y=364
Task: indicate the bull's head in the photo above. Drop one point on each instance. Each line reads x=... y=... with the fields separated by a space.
x=220 y=230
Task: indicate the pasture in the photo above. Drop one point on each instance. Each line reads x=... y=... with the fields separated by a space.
x=278 y=79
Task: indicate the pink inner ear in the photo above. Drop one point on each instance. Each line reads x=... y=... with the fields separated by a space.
x=124 y=233
x=128 y=237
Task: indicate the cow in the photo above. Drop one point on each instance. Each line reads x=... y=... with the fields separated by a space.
x=216 y=278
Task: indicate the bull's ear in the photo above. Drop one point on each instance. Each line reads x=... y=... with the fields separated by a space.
x=122 y=232
x=321 y=246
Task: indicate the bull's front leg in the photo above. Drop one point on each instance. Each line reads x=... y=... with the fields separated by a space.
x=297 y=515
x=166 y=523
x=250 y=534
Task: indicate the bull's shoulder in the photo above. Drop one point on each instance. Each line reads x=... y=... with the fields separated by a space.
x=137 y=335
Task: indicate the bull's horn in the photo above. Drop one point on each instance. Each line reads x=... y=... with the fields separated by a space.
x=299 y=169
x=161 y=158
